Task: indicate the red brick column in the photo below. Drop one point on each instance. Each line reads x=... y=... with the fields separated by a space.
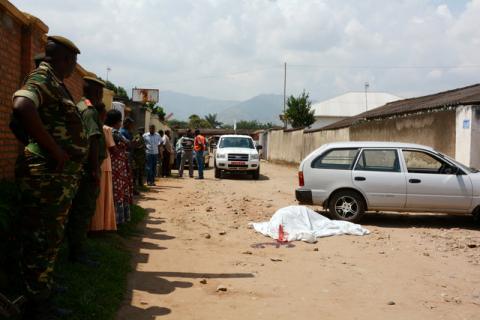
x=22 y=36
x=11 y=70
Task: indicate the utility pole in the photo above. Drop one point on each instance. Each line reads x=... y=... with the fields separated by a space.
x=108 y=70
x=285 y=96
x=367 y=85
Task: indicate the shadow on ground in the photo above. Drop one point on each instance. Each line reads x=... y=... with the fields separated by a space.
x=416 y=220
x=158 y=283
x=242 y=176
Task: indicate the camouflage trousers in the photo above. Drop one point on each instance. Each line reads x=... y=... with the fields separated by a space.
x=46 y=199
x=81 y=213
x=138 y=172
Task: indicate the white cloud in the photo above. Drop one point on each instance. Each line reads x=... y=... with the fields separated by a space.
x=236 y=49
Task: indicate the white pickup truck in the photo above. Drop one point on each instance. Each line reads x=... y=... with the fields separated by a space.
x=237 y=153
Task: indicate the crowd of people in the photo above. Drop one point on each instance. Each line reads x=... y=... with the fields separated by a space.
x=78 y=172
x=161 y=153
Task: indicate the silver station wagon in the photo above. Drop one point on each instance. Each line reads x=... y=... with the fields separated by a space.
x=349 y=178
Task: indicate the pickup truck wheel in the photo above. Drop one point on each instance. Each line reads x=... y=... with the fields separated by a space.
x=256 y=174
x=347 y=206
x=218 y=173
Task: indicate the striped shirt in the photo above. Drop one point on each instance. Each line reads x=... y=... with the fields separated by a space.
x=187 y=143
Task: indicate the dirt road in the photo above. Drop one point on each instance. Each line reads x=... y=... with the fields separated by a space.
x=196 y=239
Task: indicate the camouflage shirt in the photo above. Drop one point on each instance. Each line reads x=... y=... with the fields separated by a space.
x=57 y=111
x=93 y=125
x=139 y=148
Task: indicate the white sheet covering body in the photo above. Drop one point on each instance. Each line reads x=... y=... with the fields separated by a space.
x=302 y=223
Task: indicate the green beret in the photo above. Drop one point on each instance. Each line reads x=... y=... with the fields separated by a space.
x=92 y=77
x=65 y=42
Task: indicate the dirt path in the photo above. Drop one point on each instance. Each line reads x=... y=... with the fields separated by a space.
x=410 y=267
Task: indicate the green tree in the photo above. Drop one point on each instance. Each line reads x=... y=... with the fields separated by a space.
x=119 y=91
x=156 y=109
x=196 y=122
x=253 y=125
x=299 y=113
x=211 y=118
x=178 y=124
x=227 y=126
x=110 y=86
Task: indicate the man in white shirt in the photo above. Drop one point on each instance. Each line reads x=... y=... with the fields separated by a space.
x=152 y=142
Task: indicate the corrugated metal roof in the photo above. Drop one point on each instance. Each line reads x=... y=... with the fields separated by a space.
x=452 y=98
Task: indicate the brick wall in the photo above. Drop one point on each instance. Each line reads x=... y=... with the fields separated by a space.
x=10 y=69
x=75 y=84
x=22 y=36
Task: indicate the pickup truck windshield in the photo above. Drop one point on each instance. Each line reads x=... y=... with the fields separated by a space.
x=234 y=142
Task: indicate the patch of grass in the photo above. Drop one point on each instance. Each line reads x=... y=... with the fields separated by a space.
x=138 y=214
x=97 y=293
x=143 y=188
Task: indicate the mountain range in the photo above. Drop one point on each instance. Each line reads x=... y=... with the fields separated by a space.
x=263 y=107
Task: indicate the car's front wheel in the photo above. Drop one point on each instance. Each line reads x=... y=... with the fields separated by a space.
x=218 y=173
x=347 y=206
x=256 y=174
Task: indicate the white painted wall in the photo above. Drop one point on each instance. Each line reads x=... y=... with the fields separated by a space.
x=467 y=149
x=148 y=116
x=475 y=140
x=463 y=135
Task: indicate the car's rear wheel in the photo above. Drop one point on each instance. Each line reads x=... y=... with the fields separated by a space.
x=476 y=215
x=218 y=173
x=256 y=174
x=347 y=206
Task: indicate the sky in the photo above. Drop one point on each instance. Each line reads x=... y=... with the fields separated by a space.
x=236 y=49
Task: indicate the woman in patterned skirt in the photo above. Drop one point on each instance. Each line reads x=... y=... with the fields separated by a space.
x=122 y=180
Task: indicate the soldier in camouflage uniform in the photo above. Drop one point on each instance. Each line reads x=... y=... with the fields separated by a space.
x=84 y=203
x=49 y=169
x=139 y=158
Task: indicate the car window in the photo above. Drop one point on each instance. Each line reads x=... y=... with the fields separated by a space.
x=422 y=162
x=378 y=160
x=236 y=142
x=459 y=164
x=338 y=159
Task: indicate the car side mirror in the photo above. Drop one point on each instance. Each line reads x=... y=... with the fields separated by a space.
x=259 y=147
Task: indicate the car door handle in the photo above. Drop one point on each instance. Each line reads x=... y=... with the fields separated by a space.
x=415 y=181
x=360 y=178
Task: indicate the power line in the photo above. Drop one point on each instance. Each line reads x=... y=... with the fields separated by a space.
x=315 y=66
x=382 y=67
x=219 y=76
